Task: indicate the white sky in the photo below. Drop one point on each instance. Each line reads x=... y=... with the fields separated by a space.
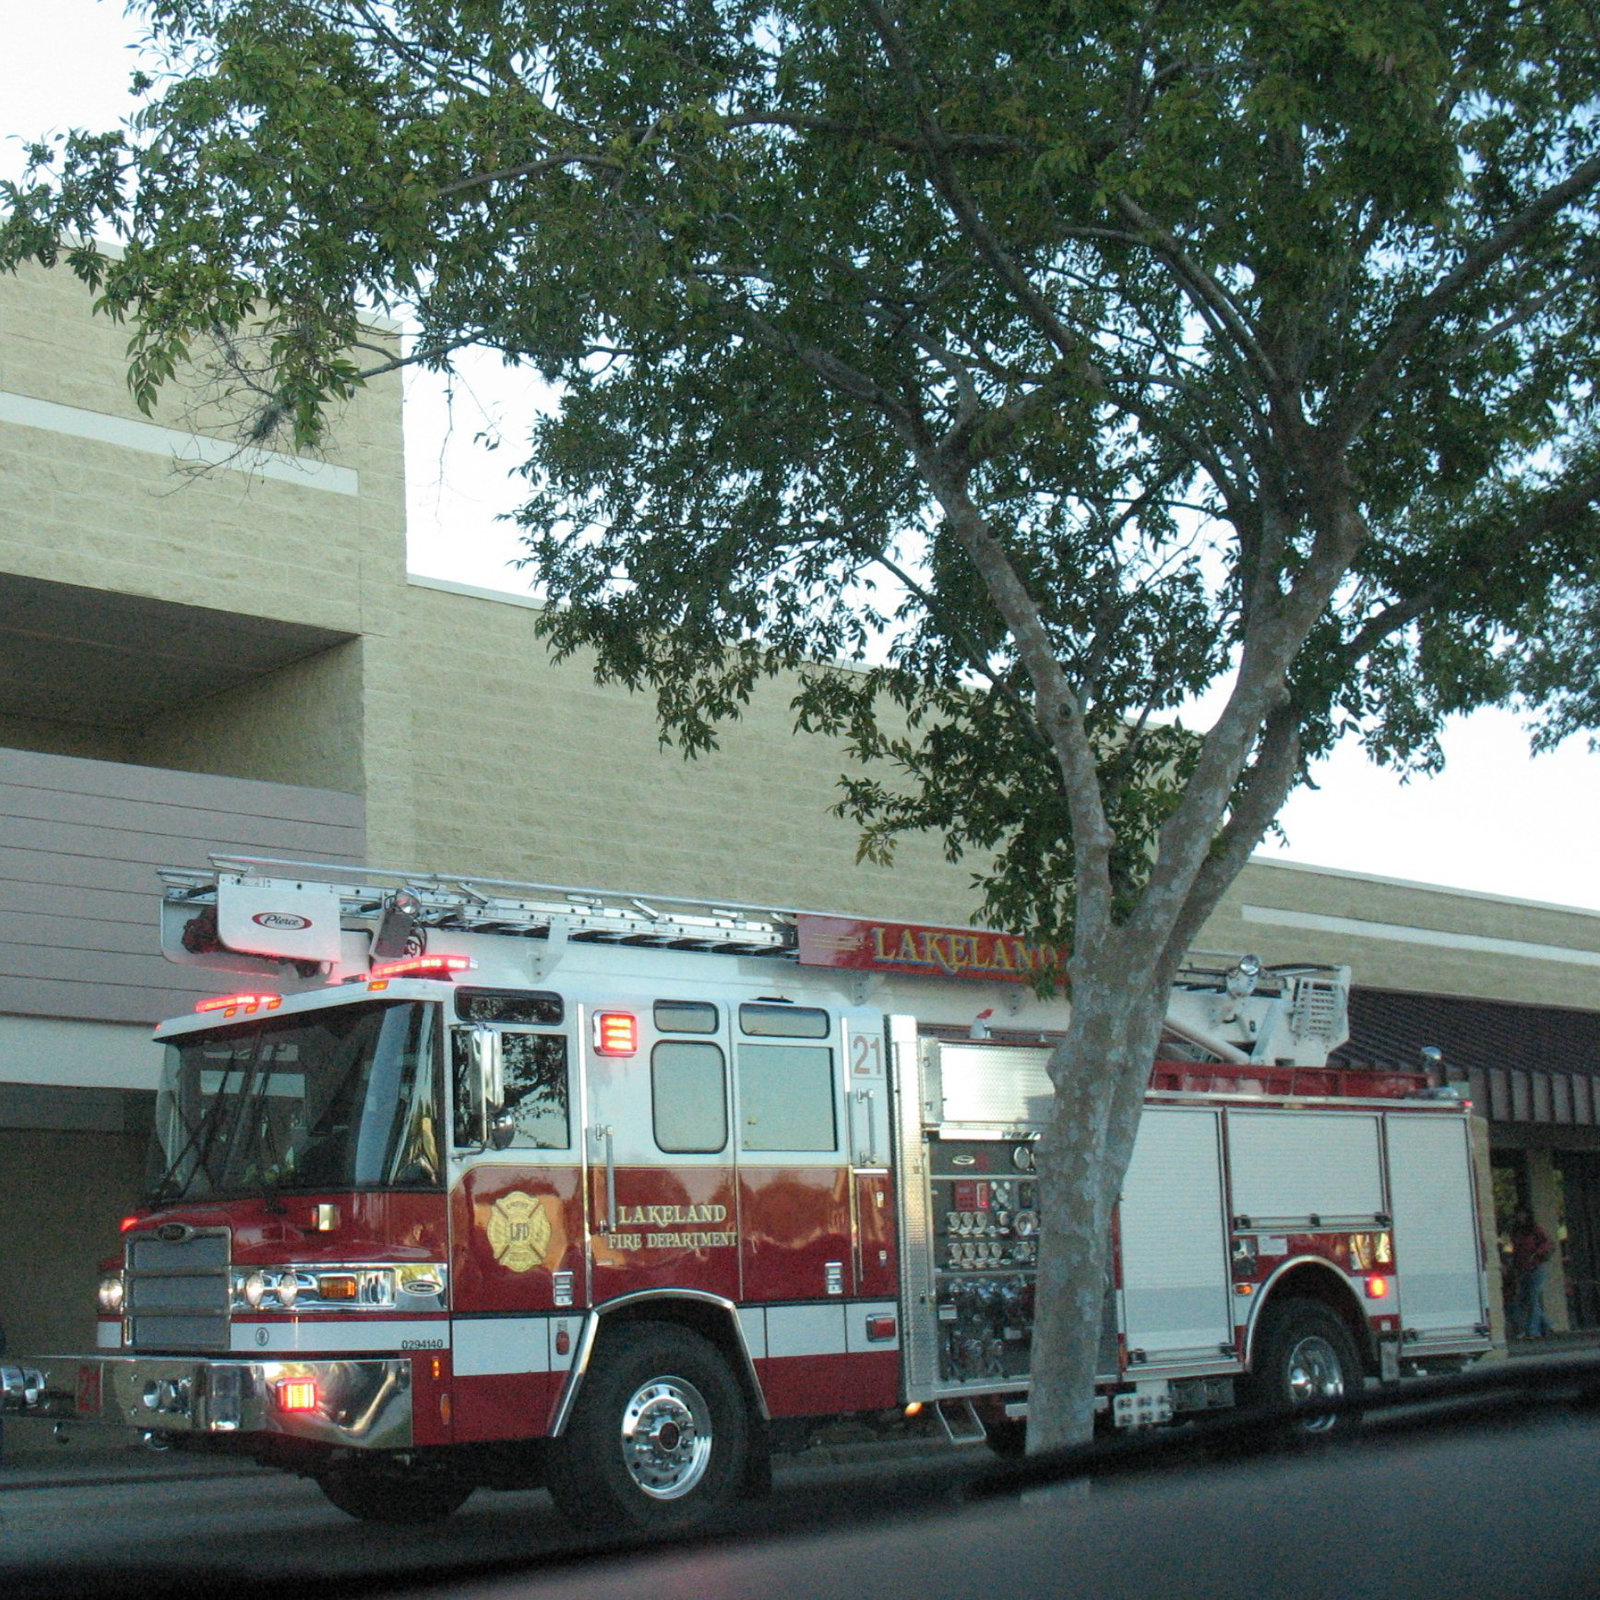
x=1497 y=820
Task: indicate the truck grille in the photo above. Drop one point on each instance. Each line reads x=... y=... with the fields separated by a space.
x=176 y=1295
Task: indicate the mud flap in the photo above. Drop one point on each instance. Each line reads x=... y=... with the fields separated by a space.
x=1389 y=1360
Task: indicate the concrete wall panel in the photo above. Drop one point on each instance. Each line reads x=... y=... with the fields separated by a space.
x=80 y=842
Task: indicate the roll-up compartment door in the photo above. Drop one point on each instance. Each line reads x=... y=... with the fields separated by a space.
x=1290 y=1167
x=1435 y=1225
x=1177 y=1302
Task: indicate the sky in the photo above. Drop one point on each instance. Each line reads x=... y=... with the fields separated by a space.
x=1497 y=820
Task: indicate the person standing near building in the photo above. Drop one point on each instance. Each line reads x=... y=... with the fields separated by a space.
x=1530 y=1256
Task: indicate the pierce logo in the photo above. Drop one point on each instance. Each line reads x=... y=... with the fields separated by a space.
x=283 y=921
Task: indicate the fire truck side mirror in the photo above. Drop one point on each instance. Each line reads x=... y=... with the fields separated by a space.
x=482 y=1119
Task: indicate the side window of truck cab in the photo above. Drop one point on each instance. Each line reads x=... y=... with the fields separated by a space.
x=535 y=1074
x=786 y=1079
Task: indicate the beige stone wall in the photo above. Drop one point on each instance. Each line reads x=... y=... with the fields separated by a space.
x=118 y=513
x=97 y=513
x=63 y=739
x=300 y=725
x=522 y=768
x=1412 y=936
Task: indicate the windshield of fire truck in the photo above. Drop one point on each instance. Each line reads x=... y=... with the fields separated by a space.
x=343 y=1097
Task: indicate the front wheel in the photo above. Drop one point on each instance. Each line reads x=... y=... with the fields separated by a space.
x=1306 y=1360
x=659 y=1438
x=381 y=1491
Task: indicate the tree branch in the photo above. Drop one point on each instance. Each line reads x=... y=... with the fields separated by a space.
x=1067 y=342
x=1211 y=299
x=1560 y=508
x=1254 y=806
x=1364 y=397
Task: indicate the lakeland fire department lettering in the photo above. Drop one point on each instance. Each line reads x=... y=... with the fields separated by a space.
x=664 y=1217
x=519 y=1231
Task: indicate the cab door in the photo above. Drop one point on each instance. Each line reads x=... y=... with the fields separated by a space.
x=661 y=1194
x=516 y=1208
x=793 y=1130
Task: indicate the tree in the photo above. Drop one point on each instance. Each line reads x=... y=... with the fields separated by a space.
x=1052 y=363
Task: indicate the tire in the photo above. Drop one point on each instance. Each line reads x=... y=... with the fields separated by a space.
x=1007 y=1437
x=393 y=1493
x=659 y=1438
x=1305 y=1355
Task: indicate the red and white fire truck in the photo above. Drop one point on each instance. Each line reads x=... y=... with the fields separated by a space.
x=480 y=1183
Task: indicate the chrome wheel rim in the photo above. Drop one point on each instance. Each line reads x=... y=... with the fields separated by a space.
x=666 y=1437
x=1314 y=1376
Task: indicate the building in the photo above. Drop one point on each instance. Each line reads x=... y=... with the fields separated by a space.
x=235 y=661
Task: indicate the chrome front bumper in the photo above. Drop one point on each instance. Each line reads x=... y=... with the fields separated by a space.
x=361 y=1404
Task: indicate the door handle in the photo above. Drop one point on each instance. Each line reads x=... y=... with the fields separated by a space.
x=608 y=1135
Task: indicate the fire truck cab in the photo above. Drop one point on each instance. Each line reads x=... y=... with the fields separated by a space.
x=492 y=1184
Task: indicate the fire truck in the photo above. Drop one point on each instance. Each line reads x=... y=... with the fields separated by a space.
x=486 y=1184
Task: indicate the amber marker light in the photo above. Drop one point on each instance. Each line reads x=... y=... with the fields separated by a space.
x=1377 y=1286
x=297 y=1394
x=914 y=1409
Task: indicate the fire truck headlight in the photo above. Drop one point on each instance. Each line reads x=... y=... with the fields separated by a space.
x=288 y=1289
x=255 y=1290
x=109 y=1294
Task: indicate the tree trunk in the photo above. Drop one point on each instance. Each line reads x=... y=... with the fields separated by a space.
x=1100 y=1073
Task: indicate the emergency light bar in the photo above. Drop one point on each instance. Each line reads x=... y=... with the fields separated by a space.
x=230 y=1003
x=422 y=967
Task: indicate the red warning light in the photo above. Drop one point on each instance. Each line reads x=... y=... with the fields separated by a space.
x=616 y=1033
x=421 y=967
x=230 y=1003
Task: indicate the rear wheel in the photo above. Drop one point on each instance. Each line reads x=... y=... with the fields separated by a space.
x=393 y=1491
x=659 y=1438
x=1008 y=1437
x=1306 y=1359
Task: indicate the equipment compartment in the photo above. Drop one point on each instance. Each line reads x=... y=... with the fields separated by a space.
x=983 y=1203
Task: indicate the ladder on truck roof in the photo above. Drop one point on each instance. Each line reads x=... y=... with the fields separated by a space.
x=495 y=905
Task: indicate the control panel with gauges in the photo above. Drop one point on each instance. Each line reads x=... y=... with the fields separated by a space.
x=984 y=1210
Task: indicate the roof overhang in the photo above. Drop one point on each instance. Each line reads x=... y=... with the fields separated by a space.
x=116 y=662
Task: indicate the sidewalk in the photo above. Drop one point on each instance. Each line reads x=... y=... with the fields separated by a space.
x=1556 y=1344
